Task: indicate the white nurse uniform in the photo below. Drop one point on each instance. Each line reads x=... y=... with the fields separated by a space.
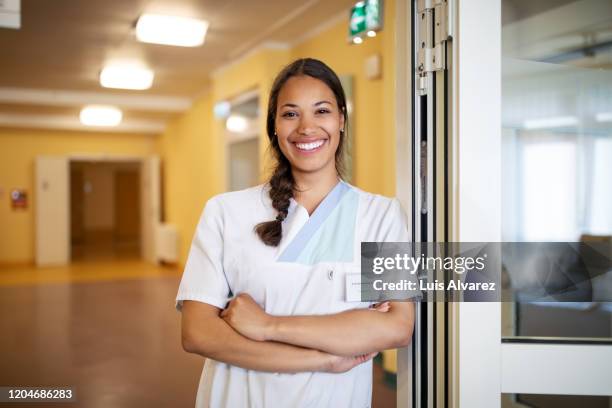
x=304 y=275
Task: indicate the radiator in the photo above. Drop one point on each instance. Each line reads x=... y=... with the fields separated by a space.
x=167 y=243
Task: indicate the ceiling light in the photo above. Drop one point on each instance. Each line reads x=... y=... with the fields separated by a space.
x=100 y=115
x=553 y=122
x=171 y=30
x=126 y=76
x=357 y=40
x=604 y=117
x=236 y=123
x=371 y=33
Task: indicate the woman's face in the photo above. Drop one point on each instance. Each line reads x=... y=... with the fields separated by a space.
x=308 y=124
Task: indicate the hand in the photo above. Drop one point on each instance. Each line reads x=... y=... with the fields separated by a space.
x=341 y=364
x=247 y=318
x=381 y=307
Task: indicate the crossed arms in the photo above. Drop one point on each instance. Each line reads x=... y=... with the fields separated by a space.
x=246 y=336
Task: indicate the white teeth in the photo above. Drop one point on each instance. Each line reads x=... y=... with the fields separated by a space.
x=309 y=146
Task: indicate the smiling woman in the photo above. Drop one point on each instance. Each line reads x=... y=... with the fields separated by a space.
x=290 y=313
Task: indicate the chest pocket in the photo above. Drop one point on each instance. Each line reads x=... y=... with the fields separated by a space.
x=347 y=287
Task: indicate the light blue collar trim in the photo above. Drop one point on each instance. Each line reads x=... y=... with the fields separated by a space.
x=318 y=217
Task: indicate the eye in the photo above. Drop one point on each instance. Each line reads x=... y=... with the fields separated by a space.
x=289 y=114
x=323 y=110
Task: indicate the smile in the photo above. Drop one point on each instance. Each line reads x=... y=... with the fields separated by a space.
x=310 y=146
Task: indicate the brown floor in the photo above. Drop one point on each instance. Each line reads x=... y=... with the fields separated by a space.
x=108 y=329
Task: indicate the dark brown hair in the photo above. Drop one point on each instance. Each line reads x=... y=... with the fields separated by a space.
x=281 y=182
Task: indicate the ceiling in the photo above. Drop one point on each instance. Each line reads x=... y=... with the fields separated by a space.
x=63 y=44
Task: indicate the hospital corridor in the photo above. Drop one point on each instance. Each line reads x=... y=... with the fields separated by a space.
x=484 y=122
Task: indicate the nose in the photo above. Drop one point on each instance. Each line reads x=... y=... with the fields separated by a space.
x=307 y=126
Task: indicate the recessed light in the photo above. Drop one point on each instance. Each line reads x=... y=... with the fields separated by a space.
x=171 y=30
x=357 y=40
x=371 y=33
x=126 y=76
x=100 y=115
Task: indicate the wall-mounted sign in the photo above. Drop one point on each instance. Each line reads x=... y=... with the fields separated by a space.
x=365 y=19
x=19 y=199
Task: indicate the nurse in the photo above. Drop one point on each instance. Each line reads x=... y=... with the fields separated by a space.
x=266 y=294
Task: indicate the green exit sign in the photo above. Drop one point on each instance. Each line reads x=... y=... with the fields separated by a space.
x=366 y=18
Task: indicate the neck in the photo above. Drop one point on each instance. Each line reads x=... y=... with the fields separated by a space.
x=311 y=188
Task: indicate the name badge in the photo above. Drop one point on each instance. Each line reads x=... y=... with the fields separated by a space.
x=353 y=287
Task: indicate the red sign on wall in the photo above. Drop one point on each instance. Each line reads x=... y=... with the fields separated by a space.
x=19 y=199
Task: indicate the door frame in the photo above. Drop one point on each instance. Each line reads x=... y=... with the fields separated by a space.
x=475 y=180
x=150 y=206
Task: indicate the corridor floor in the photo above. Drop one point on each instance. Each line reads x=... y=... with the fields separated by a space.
x=108 y=329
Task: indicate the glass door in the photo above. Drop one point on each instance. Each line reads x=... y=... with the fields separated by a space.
x=557 y=186
x=532 y=115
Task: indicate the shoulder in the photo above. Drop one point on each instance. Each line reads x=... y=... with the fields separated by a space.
x=376 y=202
x=248 y=195
x=240 y=204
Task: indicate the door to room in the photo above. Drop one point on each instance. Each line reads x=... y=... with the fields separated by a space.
x=529 y=159
x=96 y=207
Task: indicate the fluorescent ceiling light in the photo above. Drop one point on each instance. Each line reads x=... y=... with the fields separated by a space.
x=100 y=115
x=604 y=117
x=236 y=123
x=126 y=76
x=553 y=122
x=171 y=30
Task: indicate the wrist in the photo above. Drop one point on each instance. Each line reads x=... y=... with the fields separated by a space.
x=325 y=362
x=271 y=328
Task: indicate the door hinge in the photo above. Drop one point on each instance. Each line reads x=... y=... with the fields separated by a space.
x=432 y=25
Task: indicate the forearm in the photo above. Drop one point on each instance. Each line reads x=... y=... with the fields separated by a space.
x=228 y=346
x=348 y=333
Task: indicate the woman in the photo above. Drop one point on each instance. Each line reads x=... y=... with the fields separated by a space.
x=292 y=336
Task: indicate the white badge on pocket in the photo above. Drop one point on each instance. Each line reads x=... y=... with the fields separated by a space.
x=353 y=287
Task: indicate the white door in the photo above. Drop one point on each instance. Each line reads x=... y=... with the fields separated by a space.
x=151 y=207
x=52 y=211
x=532 y=120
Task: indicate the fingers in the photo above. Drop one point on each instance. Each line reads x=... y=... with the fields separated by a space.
x=365 y=357
x=382 y=307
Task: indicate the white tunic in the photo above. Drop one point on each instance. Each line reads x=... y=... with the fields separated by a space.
x=304 y=275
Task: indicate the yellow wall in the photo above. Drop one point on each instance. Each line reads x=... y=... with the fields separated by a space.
x=18 y=149
x=192 y=169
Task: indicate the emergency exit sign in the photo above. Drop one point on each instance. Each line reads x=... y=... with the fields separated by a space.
x=365 y=16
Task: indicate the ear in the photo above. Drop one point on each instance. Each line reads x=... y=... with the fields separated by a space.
x=342 y=120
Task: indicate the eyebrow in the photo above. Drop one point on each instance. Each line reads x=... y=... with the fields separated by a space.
x=292 y=105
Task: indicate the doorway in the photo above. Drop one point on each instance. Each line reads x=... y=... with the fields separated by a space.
x=119 y=219
x=104 y=210
x=242 y=136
